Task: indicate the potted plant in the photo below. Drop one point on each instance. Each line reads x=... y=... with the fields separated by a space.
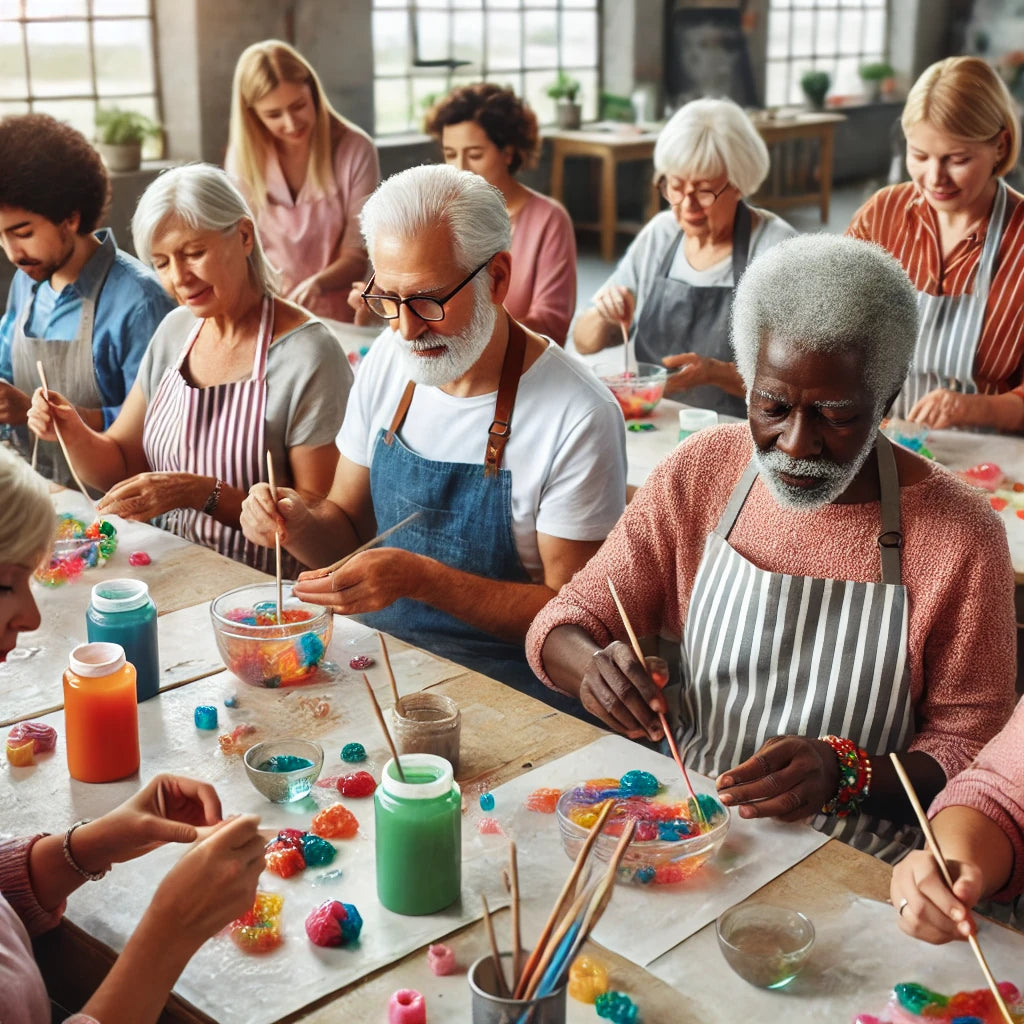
x=119 y=137
x=815 y=85
x=564 y=91
x=873 y=75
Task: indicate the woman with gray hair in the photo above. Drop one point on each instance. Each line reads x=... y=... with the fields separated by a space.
x=673 y=288
x=235 y=373
x=836 y=597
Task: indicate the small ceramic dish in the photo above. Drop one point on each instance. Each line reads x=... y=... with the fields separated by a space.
x=283 y=786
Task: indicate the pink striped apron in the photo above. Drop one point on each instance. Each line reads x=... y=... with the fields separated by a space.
x=217 y=431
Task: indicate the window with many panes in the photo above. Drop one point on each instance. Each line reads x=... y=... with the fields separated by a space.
x=422 y=49
x=66 y=57
x=836 y=36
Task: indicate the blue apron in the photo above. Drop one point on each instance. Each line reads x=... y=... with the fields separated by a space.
x=465 y=522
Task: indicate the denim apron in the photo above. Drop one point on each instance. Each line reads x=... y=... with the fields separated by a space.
x=465 y=521
x=681 y=317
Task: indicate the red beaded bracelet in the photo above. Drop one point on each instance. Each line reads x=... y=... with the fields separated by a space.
x=854 y=777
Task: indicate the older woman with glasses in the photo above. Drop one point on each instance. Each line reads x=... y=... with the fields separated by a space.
x=673 y=288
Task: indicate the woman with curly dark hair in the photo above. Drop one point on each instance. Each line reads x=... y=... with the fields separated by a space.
x=487 y=129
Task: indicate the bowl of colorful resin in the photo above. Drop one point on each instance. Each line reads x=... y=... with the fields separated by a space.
x=263 y=648
x=284 y=770
x=637 y=393
x=674 y=835
x=78 y=546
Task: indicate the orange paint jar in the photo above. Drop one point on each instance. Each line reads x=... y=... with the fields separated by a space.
x=101 y=716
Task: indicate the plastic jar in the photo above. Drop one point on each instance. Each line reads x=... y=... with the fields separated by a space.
x=122 y=612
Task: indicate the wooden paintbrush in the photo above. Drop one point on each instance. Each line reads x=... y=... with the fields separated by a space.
x=513 y=876
x=933 y=846
x=63 y=446
x=384 y=728
x=277 y=540
x=372 y=543
x=387 y=665
x=499 y=973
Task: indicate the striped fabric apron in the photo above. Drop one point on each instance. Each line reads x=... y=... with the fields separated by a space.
x=950 y=326
x=765 y=654
x=217 y=431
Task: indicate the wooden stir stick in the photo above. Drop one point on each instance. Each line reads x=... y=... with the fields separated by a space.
x=513 y=876
x=384 y=728
x=387 y=665
x=277 y=541
x=625 y=344
x=503 y=989
x=933 y=846
x=371 y=543
x=63 y=446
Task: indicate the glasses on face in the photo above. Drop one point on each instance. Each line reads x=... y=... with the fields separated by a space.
x=426 y=307
x=704 y=197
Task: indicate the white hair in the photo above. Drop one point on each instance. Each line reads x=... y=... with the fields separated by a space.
x=27 y=518
x=421 y=198
x=707 y=138
x=204 y=198
x=829 y=293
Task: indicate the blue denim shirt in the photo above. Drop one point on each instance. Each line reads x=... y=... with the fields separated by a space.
x=130 y=306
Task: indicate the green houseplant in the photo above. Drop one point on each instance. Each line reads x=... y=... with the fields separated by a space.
x=119 y=137
x=564 y=90
x=873 y=75
x=815 y=85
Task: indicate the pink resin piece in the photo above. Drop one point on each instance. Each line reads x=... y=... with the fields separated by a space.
x=441 y=960
x=490 y=827
x=407 y=1006
x=986 y=475
x=139 y=558
x=43 y=737
x=360 y=662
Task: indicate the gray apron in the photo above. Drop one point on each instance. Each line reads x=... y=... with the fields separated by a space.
x=681 y=317
x=950 y=326
x=765 y=654
x=69 y=365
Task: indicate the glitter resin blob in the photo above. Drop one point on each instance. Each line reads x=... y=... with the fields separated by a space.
x=78 y=546
x=259 y=930
x=674 y=836
x=911 y=1002
x=334 y=923
x=260 y=649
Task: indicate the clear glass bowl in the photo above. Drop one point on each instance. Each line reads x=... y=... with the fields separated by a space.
x=656 y=860
x=637 y=393
x=271 y=654
x=765 y=945
x=284 y=787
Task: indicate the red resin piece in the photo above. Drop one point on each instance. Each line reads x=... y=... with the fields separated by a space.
x=441 y=960
x=139 y=558
x=490 y=827
x=335 y=822
x=285 y=860
x=43 y=737
x=361 y=662
x=357 y=784
x=997 y=503
x=407 y=1006
x=543 y=800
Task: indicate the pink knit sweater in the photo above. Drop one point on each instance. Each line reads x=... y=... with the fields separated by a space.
x=956 y=567
x=994 y=785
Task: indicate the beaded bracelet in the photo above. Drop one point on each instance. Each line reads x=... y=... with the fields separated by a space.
x=89 y=876
x=854 y=777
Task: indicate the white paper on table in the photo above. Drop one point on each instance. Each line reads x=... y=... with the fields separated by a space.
x=642 y=922
x=859 y=954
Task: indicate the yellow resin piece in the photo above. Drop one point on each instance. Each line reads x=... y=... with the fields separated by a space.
x=21 y=754
x=587 y=979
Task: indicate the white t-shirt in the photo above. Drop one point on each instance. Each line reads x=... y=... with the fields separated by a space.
x=566 y=454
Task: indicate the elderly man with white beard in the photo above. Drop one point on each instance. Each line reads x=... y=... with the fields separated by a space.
x=836 y=597
x=512 y=455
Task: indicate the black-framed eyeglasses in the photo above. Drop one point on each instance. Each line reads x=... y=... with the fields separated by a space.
x=426 y=307
x=705 y=197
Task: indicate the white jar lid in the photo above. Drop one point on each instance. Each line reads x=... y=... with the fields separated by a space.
x=97 y=659
x=442 y=782
x=119 y=595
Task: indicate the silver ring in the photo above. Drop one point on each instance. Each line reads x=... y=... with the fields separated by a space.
x=902 y=906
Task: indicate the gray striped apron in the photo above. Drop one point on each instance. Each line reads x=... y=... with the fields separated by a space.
x=950 y=326
x=217 y=431
x=765 y=654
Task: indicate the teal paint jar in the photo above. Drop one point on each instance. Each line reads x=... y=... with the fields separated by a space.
x=419 y=836
x=122 y=612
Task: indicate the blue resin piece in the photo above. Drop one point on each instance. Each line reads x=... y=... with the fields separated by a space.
x=710 y=806
x=206 y=716
x=312 y=648
x=638 y=783
x=231 y=702
x=317 y=851
x=486 y=801
x=353 y=753
x=328 y=877
x=266 y=608
x=645 y=874
x=352 y=925
x=284 y=763
x=616 y=1007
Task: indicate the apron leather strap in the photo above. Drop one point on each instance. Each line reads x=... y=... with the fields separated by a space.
x=508 y=386
x=400 y=413
x=890 y=540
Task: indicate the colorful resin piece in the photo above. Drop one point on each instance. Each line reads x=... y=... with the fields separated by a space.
x=139 y=558
x=259 y=930
x=407 y=1006
x=284 y=860
x=335 y=822
x=284 y=763
x=353 y=753
x=78 y=546
x=357 y=784
x=616 y=1007
x=21 y=754
x=274 y=661
x=638 y=783
x=237 y=742
x=317 y=851
x=231 y=702
x=986 y=475
x=587 y=979
x=910 y=1003
x=206 y=716
x=361 y=662
x=43 y=737
x=441 y=960
x=486 y=801
x=490 y=827
x=543 y=801
x=318 y=707
x=334 y=924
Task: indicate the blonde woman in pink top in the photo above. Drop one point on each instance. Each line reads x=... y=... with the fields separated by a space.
x=305 y=171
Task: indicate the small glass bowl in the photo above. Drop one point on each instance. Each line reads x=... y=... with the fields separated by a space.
x=765 y=945
x=284 y=787
x=638 y=394
x=270 y=655
x=658 y=861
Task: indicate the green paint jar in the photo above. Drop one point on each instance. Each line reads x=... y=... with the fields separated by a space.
x=419 y=836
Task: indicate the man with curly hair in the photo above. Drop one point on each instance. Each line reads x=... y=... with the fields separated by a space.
x=77 y=304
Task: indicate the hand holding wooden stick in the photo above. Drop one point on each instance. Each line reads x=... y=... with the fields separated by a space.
x=371 y=543
x=63 y=446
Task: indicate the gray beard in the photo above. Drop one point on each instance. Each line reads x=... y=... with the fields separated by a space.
x=835 y=477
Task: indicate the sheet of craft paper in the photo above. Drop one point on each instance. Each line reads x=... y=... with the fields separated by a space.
x=642 y=922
